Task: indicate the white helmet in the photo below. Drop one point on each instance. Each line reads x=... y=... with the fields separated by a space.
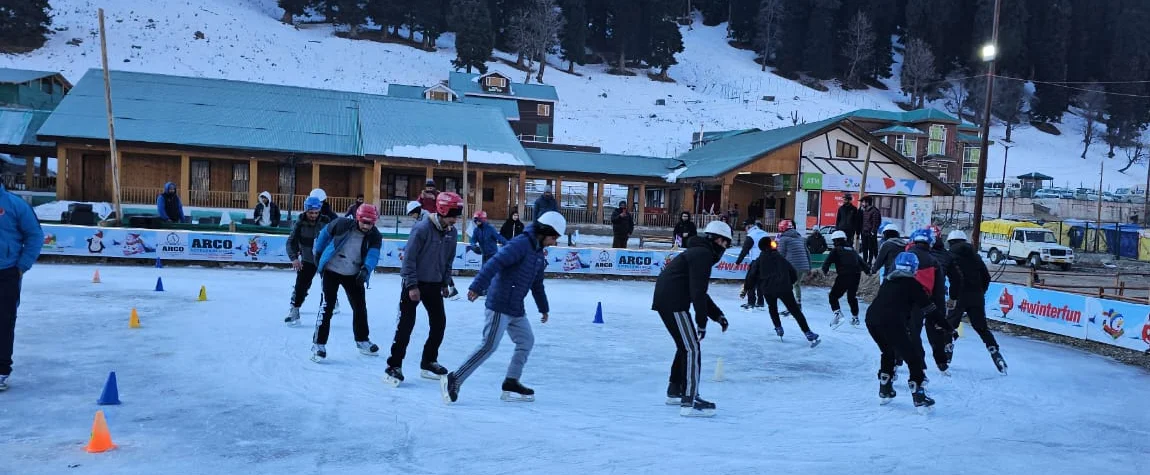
x=956 y=235
x=319 y=193
x=412 y=206
x=838 y=235
x=555 y=220
x=891 y=227
x=718 y=228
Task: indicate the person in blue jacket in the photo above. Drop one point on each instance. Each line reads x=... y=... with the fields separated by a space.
x=168 y=204
x=515 y=269
x=20 y=241
x=349 y=252
x=485 y=239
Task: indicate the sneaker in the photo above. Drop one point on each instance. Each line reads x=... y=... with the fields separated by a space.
x=393 y=376
x=813 y=338
x=854 y=320
x=696 y=408
x=432 y=370
x=886 y=391
x=3 y=382
x=367 y=347
x=318 y=353
x=674 y=394
x=838 y=320
x=292 y=318
x=779 y=332
x=921 y=401
x=449 y=388
x=514 y=391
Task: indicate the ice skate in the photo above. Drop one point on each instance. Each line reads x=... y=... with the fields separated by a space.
x=452 y=293
x=318 y=353
x=3 y=383
x=813 y=338
x=886 y=391
x=838 y=320
x=747 y=307
x=760 y=308
x=696 y=408
x=779 y=332
x=513 y=391
x=432 y=370
x=854 y=320
x=393 y=376
x=336 y=311
x=922 y=403
x=367 y=347
x=999 y=362
x=785 y=313
x=949 y=350
x=292 y=319
x=674 y=394
x=449 y=388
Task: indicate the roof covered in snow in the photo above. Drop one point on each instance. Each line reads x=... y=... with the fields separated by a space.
x=601 y=163
x=468 y=84
x=18 y=128
x=20 y=76
x=899 y=130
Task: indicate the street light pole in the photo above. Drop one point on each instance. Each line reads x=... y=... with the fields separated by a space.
x=989 y=52
x=1003 y=197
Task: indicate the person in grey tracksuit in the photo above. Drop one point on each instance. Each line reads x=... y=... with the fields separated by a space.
x=793 y=248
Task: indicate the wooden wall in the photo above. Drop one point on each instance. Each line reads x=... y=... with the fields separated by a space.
x=269 y=178
x=150 y=171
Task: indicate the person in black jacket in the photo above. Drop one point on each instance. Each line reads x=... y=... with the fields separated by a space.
x=685 y=229
x=930 y=276
x=849 y=220
x=972 y=297
x=892 y=245
x=755 y=299
x=680 y=287
x=622 y=225
x=776 y=282
x=849 y=267
x=942 y=336
x=900 y=299
x=512 y=227
x=303 y=259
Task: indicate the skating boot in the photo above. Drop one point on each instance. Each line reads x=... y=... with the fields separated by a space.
x=318 y=353
x=785 y=313
x=921 y=402
x=949 y=350
x=854 y=320
x=393 y=376
x=452 y=293
x=779 y=332
x=743 y=293
x=696 y=408
x=3 y=383
x=367 y=347
x=336 y=311
x=747 y=307
x=292 y=319
x=885 y=389
x=838 y=320
x=999 y=362
x=813 y=338
x=431 y=370
x=513 y=391
x=449 y=388
x=760 y=308
x=674 y=394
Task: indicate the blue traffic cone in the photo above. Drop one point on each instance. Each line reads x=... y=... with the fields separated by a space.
x=111 y=395
x=159 y=263
x=599 y=313
x=159 y=284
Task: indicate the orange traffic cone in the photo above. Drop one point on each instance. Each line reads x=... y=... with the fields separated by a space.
x=101 y=439
x=134 y=319
x=96 y=277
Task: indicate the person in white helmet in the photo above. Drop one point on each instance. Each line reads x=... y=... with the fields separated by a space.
x=892 y=245
x=849 y=267
x=415 y=211
x=680 y=287
x=325 y=210
x=972 y=298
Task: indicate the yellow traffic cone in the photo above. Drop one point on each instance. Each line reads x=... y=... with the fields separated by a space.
x=203 y=294
x=96 y=277
x=134 y=319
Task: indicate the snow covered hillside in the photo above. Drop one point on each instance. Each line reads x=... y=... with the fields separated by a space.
x=718 y=87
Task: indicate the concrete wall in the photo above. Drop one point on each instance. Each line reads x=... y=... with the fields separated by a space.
x=1059 y=209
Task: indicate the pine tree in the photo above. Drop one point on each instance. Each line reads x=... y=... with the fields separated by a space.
x=1009 y=100
x=291 y=8
x=743 y=24
x=918 y=70
x=1049 y=36
x=1129 y=111
x=574 y=41
x=819 y=54
x=352 y=13
x=768 y=20
x=599 y=25
x=789 y=56
x=858 y=47
x=625 y=18
x=714 y=11
x=25 y=23
x=1089 y=43
x=431 y=20
x=388 y=14
x=473 y=38
x=885 y=21
x=666 y=42
x=945 y=27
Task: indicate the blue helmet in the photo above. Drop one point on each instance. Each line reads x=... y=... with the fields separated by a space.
x=312 y=203
x=922 y=235
x=906 y=262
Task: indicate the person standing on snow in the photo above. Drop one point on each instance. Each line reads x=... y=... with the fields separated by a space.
x=512 y=227
x=777 y=278
x=485 y=241
x=972 y=297
x=622 y=225
x=849 y=267
x=266 y=212
x=21 y=238
x=326 y=209
x=426 y=275
x=685 y=229
x=168 y=205
x=871 y=222
x=506 y=278
x=794 y=249
x=349 y=252
x=299 y=249
x=900 y=299
x=680 y=287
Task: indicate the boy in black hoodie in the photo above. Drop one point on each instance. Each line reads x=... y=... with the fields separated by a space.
x=776 y=282
x=930 y=276
x=900 y=299
x=849 y=267
x=972 y=298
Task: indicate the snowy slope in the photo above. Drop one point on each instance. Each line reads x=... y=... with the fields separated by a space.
x=224 y=387
x=718 y=87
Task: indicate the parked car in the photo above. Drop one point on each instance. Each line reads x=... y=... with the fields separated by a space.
x=1130 y=195
x=1067 y=194
x=1044 y=193
x=995 y=192
x=1024 y=243
x=1112 y=198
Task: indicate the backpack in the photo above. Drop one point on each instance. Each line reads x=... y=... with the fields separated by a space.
x=816 y=243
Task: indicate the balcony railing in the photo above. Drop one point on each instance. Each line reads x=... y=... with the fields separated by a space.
x=536 y=138
x=393 y=207
x=139 y=195
x=19 y=183
x=218 y=199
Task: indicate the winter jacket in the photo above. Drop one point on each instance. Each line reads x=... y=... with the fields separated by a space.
x=776 y=275
x=950 y=271
x=751 y=244
x=816 y=243
x=511 y=229
x=332 y=237
x=683 y=283
x=429 y=253
x=544 y=204
x=622 y=225
x=302 y=238
x=871 y=220
x=975 y=276
x=794 y=250
x=685 y=230
x=485 y=241
x=273 y=212
x=899 y=299
x=20 y=235
x=887 y=251
x=427 y=200
x=168 y=204
x=846 y=261
x=352 y=209
x=325 y=210
x=848 y=219
x=515 y=269
x=929 y=274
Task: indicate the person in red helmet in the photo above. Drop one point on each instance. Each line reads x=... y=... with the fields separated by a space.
x=426 y=274
x=349 y=251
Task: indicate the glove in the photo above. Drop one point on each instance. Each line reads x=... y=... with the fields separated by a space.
x=702 y=333
x=723 y=323
x=361 y=277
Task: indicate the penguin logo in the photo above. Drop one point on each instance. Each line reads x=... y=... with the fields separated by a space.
x=96 y=243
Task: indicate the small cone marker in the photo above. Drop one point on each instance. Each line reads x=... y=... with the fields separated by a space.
x=159 y=284
x=111 y=394
x=159 y=263
x=134 y=319
x=100 y=439
x=203 y=294
x=96 y=277
x=598 y=313
x=719 y=370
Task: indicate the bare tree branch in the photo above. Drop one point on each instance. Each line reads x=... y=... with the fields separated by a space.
x=859 y=46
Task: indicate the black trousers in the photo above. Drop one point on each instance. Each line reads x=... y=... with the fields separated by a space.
x=751 y=283
x=869 y=247
x=303 y=279
x=431 y=296
x=974 y=306
x=620 y=241
x=850 y=236
x=792 y=306
x=687 y=364
x=356 y=295
x=10 y=282
x=937 y=337
x=894 y=343
x=848 y=284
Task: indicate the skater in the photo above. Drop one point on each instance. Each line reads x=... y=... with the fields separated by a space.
x=485 y=240
x=22 y=239
x=794 y=250
x=512 y=227
x=299 y=249
x=415 y=211
x=685 y=229
x=849 y=267
x=680 y=287
x=953 y=281
x=426 y=274
x=325 y=210
x=750 y=287
x=900 y=299
x=930 y=276
x=776 y=281
x=871 y=222
x=971 y=300
x=507 y=277
x=751 y=249
x=349 y=252
x=892 y=245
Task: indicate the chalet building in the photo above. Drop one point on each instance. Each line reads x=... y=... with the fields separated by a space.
x=27 y=98
x=529 y=108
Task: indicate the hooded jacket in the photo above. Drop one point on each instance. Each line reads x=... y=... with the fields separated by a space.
x=545 y=203
x=846 y=261
x=683 y=283
x=20 y=235
x=794 y=249
x=273 y=212
x=485 y=241
x=302 y=238
x=511 y=228
x=887 y=251
x=776 y=275
x=848 y=219
x=429 y=253
x=333 y=236
x=975 y=276
x=899 y=299
x=685 y=230
x=929 y=274
x=168 y=205
x=507 y=276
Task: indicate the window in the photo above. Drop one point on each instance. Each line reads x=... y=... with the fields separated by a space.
x=240 y=177
x=542 y=133
x=201 y=171
x=937 y=145
x=398 y=186
x=495 y=81
x=439 y=96
x=544 y=110
x=46 y=85
x=891 y=206
x=1018 y=236
x=970 y=175
x=971 y=155
x=846 y=150
x=907 y=146
x=813 y=204
x=286 y=183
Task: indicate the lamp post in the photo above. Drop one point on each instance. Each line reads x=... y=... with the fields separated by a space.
x=989 y=53
x=1003 y=197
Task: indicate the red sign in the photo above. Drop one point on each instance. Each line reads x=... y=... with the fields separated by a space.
x=829 y=205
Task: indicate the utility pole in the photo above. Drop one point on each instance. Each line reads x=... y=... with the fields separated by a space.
x=463 y=218
x=989 y=53
x=1003 y=197
x=115 y=158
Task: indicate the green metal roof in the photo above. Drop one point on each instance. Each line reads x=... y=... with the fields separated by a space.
x=20 y=76
x=908 y=117
x=968 y=126
x=509 y=107
x=967 y=138
x=898 y=130
x=404 y=91
x=601 y=163
x=722 y=156
x=18 y=127
x=465 y=83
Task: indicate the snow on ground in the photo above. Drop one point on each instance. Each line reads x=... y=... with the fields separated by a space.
x=224 y=387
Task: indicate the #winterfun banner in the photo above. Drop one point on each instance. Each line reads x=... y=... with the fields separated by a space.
x=1105 y=321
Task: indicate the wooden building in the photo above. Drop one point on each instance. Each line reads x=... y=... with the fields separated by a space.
x=27 y=98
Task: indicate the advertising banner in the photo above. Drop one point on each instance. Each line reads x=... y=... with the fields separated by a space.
x=1104 y=321
x=875 y=184
x=1118 y=323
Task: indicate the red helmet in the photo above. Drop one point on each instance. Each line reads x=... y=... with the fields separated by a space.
x=449 y=204
x=366 y=212
x=785 y=225
x=480 y=215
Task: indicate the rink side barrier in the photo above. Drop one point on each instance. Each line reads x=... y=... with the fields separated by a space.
x=1109 y=322
x=180 y=245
